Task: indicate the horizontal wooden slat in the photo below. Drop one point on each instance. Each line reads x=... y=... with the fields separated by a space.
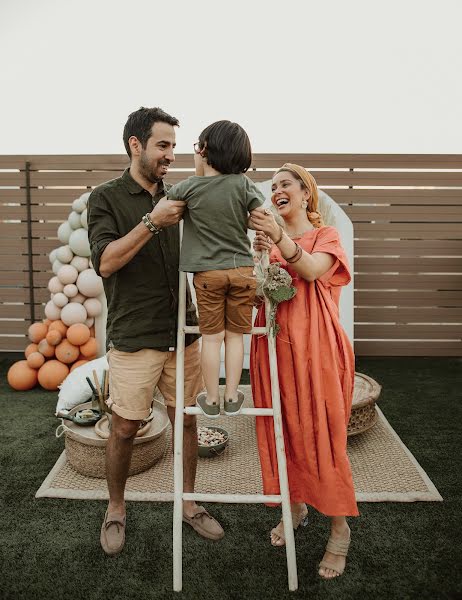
x=14 y=179
x=407 y=332
x=13 y=212
x=415 y=314
x=396 y=214
x=403 y=281
x=50 y=212
x=16 y=327
x=434 y=197
x=408 y=298
x=408 y=247
x=14 y=311
x=406 y=348
x=409 y=264
x=269 y=160
x=13 y=262
x=16 y=230
x=12 y=278
x=13 y=344
x=410 y=231
x=21 y=294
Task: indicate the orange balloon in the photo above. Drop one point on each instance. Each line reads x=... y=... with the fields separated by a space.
x=35 y=360
x=54 y=337
x=37 y=331
x=78 y=363
x=45 y=349
x=66 y=352
x=78 y=334
x=59 y=326
x=89 y=348
x=29 y=349
x=47 y=322
x=22 y=377
x=52 y=374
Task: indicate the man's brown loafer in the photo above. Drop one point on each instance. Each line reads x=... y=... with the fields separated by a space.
x=205 y=524
x=113 y=534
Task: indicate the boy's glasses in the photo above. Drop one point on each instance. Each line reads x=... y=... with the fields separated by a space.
x=197 y=148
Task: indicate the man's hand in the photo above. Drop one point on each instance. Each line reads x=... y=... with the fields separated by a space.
x=167 y=212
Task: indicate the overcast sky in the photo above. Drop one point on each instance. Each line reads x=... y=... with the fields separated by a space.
x=299 y=76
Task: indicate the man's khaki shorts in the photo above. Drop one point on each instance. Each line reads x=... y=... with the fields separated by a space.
x=225 y=299
x=134 y=376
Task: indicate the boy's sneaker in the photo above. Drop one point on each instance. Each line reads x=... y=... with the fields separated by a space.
x=233 y=407
x=209 y=410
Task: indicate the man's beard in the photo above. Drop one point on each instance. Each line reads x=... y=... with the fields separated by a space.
x=146 y=170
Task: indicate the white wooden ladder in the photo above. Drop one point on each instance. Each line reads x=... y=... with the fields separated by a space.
x=275 y=412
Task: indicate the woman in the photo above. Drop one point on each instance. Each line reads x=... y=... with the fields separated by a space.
x=316 y=365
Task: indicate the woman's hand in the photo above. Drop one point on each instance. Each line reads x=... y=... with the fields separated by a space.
x=263 y=220
x=261 y=242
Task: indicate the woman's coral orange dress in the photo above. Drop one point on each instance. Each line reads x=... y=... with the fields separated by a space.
x=316 y=377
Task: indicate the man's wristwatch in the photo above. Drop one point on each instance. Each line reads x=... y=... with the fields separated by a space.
x=150 y=225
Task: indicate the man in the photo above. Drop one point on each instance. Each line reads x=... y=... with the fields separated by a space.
x=134 y=239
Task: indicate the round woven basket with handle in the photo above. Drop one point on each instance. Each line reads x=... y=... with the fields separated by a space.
x=363 y=414
x=86 y=450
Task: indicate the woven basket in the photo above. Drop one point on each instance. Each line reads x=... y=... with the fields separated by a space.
x=86 y=451
x=363 y=414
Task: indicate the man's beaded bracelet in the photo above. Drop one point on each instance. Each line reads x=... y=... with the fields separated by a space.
x=150 y=225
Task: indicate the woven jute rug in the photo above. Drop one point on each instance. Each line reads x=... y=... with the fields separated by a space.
x=383 y=469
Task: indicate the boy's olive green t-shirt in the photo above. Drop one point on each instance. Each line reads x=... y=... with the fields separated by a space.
x=215 y=222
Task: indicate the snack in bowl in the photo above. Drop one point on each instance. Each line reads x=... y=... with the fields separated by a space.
x=211 y=441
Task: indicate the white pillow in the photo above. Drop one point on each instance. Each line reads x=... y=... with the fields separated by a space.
x=75 y=389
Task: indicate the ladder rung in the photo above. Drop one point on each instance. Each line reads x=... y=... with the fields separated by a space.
x=231 y=498
x=256 y=412
x=195 y=329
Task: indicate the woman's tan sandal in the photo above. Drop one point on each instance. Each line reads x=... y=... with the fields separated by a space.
x=339 y=548
x=297 y=520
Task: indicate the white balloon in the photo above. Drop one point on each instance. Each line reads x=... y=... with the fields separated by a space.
x=60 y=299
x=80 y=298
x=56 y=266
x=70 y=290
x=89 y=283
x=74 y=219
x=79 y=204
x=64 y=232
x=78 y=242
x=55 y=286
x=52 y=311
x=52 y=256
x=83 y=219
x=80 y=263
x=93 y=306
x=64 y=254
x=73 y=313
x=67 y=274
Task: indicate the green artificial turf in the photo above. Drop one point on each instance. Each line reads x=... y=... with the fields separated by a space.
x=49 y=548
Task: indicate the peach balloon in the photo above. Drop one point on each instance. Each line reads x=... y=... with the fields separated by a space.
x=78 y=334
x=67 y=274
x=54 y=337
x=89 y=348
x=22 y=377
x=45 y=349
x=58 y=325
x=67 y=352
x=29 y=349
x=73 y=313
x=35 y=360
x=52 y=374
x=78 y=363
x=37 y=331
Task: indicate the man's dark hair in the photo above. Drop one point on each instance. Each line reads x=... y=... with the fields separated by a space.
x=140 y=122
x=226 y=147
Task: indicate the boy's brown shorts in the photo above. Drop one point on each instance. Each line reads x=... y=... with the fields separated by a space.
x=225 y=299
x=134 y=376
